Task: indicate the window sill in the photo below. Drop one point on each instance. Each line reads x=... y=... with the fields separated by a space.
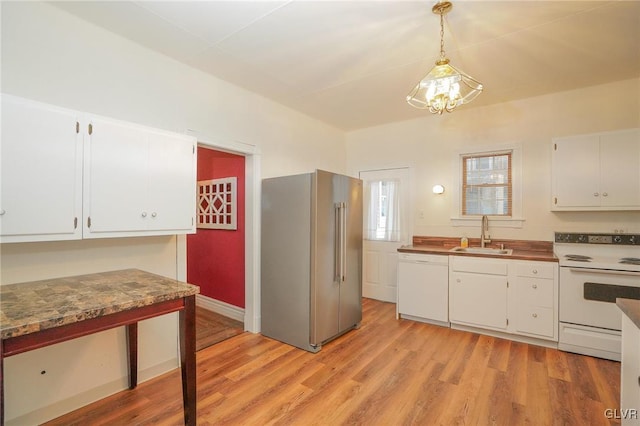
x=494 y=221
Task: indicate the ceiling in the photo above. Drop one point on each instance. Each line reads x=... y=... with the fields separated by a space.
x=352 y=63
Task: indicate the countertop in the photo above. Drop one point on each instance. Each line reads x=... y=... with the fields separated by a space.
x=522 y=249
x=631 y=308
x=38 y=305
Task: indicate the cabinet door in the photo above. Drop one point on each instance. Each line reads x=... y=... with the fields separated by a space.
x=41 y=194
x=479 y=300
x=115 y=186
x=171 y=182
x=620 y=169
x=576 y=172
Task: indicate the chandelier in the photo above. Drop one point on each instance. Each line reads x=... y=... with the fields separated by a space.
x=445 y=87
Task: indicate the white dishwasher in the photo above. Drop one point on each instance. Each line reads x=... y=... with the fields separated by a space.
x=423 y=287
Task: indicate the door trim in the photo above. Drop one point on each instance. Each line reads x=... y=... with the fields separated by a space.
x=252 y=226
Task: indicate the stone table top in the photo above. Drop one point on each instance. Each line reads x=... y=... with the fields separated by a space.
x=38 y=305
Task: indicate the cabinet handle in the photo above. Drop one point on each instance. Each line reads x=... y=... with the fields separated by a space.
x=534 y=315
x=154 y=214
x=534 y=286
x=458 y=280
x=595 y=194
x=535 y=271
x=2 y=212
x=604 y=194
x=144 y=214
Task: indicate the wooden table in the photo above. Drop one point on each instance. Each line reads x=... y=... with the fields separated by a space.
x=42 y=313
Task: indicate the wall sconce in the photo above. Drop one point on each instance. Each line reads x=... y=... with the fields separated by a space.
x=438 y=189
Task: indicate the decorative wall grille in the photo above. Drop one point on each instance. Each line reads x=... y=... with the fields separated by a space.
x=217 y=208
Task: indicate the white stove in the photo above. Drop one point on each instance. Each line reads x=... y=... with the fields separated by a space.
x=595 y=269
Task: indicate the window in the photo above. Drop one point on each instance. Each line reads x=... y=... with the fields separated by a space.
x=382 y=204
x=487 y=184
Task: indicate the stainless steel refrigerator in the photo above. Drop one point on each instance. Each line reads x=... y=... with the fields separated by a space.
x=311 y=279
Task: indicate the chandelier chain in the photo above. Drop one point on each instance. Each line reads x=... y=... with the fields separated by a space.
x=442 y=56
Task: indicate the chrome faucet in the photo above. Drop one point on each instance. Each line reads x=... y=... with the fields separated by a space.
x=484 y=237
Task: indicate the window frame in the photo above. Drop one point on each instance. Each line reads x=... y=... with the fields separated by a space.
x=516 y=220
x=508 y=185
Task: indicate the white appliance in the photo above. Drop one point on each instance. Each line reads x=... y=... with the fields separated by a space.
x=423 y=288
x=595 y=269
x=311 y=282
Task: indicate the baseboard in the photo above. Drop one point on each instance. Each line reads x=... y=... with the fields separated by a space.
x=67 y=405
x=220 y=307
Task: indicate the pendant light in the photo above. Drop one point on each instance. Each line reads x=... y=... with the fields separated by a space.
x=445 y=87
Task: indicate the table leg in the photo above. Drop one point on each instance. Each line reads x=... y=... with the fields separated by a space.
x=188 y=359
x=132 y=350
x=1 y=384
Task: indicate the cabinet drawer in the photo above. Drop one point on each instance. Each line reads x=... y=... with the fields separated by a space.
x=535 y=270
x=535 y=292
x=536 y=320
x=478 y=265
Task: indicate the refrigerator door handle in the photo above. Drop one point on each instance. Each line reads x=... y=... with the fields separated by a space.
x=337 y=252
x=343 y=246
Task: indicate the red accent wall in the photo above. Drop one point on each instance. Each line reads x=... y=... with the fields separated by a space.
x=215 y=257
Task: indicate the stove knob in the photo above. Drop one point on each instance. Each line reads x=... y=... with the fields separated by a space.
x=581 y=238
x=617 y=239
x=632 y=239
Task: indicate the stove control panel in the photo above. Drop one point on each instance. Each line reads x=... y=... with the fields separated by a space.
x=617 y=239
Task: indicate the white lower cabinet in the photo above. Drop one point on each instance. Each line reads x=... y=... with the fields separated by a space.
x=509 y=296
x=478 y=292
x=423 y=287
x=536 y=299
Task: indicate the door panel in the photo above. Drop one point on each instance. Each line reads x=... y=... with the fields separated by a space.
x=110 y=207
x=381 y=257
x=326 y=288
x=351 y=288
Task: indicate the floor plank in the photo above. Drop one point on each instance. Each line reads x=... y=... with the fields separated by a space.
x=387 y=372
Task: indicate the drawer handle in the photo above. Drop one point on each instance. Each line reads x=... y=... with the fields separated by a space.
x=534 y=315
x=534 y=286
x=144 y=214
x=458 y=280
x=535 y=271
x=2 y=212
x=154 y=214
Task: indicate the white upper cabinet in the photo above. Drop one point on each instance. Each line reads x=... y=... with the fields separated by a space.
x=138 y=181
x=41 y=172
x=597 y=171
x=68 y=175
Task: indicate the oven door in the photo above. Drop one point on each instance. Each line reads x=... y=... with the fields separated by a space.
x=588 y=296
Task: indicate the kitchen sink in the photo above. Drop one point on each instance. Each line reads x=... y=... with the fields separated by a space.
x=482 y=250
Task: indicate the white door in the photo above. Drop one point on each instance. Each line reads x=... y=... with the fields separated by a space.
x=386 y=197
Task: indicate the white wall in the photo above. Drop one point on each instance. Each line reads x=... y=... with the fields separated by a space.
x=51 y=56
x=428 y=145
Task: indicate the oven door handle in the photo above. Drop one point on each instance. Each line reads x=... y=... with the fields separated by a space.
x=604 y=271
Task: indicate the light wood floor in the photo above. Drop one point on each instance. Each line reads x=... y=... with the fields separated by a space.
x=388 y=372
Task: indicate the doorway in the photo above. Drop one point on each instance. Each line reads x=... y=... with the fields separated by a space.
x=386 y=200
x=250 y=315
